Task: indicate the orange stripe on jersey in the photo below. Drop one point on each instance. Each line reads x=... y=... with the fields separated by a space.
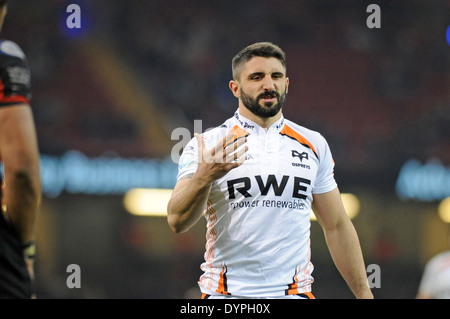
x=292 y=290
x=293 y=287
x=309 y=295
x=223 y=287
x=289 y=132
x=238 y=133
x=211 y=233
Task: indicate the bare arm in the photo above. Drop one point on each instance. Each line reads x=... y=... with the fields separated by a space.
x=189 y=196
x=342 y=241
x=187 y=203
x=20 y=155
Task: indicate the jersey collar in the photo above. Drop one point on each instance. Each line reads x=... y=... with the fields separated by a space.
x=251 y=126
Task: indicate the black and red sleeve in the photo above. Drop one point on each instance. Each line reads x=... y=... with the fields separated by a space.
x=15 y=78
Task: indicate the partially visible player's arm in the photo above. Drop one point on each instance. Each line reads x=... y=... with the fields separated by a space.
x=428 y=281
x=189 y=196
x=187 y=203
x=342 y=241
x=20 y=155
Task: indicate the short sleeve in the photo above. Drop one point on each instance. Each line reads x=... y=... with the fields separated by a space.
x=15 y=77
x=325 y=181
x=188 y=160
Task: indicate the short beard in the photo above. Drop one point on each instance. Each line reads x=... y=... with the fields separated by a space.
x=269 y=110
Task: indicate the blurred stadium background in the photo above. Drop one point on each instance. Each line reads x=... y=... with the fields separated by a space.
x=107 y=96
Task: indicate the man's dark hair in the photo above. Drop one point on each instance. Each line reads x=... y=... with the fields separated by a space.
x=3 y=2
x=261 y=49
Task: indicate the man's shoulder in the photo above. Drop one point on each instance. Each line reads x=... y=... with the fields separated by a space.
x=220 y=130
x=309 y=134
x=441 y=258
x=11 y=49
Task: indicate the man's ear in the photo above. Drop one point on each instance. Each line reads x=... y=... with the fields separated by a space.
x=234 y=87
x=287 y=84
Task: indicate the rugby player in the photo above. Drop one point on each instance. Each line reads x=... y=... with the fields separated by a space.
x=435 y=282
x=256 y=178
x=20 y=179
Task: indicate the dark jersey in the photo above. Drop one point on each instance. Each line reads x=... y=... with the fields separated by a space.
x=15 y=80
x=15 y=83
x=15 y=88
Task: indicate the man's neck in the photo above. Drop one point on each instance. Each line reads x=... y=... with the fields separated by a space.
x=264 y=122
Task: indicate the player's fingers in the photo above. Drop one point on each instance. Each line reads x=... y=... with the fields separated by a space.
x=238 y=154
x=220 y=144
x=238 y=162
x=239 y=142
x=242 y=152
x=201 y=143
x=219 y=150
x=201 y=147
x=223 y=143
x=236 y=145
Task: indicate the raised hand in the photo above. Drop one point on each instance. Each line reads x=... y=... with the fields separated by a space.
x=226 y=155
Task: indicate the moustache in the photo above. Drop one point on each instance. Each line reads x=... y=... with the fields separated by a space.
x=269 y=94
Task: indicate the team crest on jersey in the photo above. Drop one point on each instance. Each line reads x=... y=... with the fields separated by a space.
x=301 y=156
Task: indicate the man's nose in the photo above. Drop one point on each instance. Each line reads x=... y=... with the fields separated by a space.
x=268 y=84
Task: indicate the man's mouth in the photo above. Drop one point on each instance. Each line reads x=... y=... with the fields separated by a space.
x=269 y=97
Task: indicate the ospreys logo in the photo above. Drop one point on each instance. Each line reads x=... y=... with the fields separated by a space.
x=301 y=157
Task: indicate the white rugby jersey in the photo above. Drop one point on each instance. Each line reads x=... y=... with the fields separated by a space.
x=258 y=214
x=436 y=278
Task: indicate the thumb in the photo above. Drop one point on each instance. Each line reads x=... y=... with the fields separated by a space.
x=201 y=147
x=201 y=143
